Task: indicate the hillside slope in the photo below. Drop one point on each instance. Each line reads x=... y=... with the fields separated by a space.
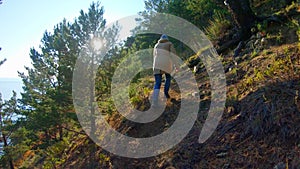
x=260 y=127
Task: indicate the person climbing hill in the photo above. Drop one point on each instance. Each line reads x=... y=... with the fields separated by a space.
x=163 y=63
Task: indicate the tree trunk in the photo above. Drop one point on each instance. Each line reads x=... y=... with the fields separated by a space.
x=92 y=99
x=11 y=165
x=243 y=16
x=60 y=130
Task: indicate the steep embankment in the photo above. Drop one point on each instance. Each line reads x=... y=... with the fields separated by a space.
x=260 y=126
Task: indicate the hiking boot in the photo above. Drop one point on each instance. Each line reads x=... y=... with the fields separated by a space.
x=167 y=95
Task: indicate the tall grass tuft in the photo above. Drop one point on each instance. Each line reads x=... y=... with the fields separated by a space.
x=217 y=26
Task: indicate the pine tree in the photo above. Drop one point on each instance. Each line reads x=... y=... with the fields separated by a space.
x=47 y=87
x=8 y=112
x=96 y=55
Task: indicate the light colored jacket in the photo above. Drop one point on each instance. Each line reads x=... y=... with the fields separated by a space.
x=163 y=57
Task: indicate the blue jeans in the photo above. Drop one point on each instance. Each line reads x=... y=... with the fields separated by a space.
x=158 y=79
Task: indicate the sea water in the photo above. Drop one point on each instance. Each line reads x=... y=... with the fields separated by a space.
x=7 y=86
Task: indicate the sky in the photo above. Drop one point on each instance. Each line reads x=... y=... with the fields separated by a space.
x=23 y=24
